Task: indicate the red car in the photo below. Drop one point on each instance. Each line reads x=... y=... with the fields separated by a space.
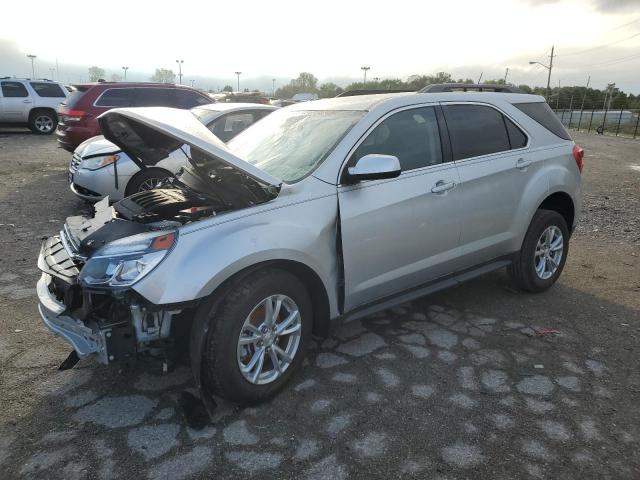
x=78 y=114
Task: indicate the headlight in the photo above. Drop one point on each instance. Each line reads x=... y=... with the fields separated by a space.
x=125 y=261
x=98 y=162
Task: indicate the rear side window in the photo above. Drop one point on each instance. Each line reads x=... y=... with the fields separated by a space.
x=517 y=138
x=228 y=126
x=152 y=97
x=411 y=135
x=47 y=90
x=475 y=130
x=116 y=97
x=542 y=113
x=13 y=90
x=188 y=99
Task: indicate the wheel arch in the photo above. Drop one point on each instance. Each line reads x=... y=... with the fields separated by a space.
x=143 y=171
x=562 y=203
x=35 y=110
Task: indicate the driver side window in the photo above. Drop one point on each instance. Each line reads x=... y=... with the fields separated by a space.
x=411 y=135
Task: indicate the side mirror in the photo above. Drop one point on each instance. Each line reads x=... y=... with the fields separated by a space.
x=374 y=167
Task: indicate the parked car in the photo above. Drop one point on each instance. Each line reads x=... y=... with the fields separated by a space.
x=98 y=168
x=79 y=113
x=30 y=103
x=322 y=212
x=242 y=97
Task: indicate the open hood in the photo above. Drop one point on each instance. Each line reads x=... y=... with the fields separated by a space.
x=149 y=134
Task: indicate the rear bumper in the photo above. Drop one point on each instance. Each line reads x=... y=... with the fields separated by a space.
x=69 y=137
x=84 y=340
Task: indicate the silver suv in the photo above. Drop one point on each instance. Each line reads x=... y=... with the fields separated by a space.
x=323 y=211
x=31 y=103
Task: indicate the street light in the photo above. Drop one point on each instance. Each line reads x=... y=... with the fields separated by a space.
x=548 y=67
x=180 y=62
x=125 y=72
x=33 y=70
x=273 y=88
x=365 y=69
x=238 y=75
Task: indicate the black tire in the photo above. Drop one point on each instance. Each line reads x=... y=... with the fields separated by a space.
x=221 y=373
x=137 y=183
x=523 y=269
x=43 y=122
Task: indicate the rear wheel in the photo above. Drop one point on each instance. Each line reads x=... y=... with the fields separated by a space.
x=543 y=254
x=145 y=180
x=43 y=122
x=257 y=337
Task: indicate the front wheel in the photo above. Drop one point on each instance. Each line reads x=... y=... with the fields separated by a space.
x=43 y=122
x=146 y=179
x=257 y=337
x=544 y=252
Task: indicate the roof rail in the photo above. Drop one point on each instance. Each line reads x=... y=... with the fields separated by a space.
x=370 y=91
x=466 y=87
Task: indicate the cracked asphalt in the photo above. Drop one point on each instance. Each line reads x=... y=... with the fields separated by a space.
x=480 y=381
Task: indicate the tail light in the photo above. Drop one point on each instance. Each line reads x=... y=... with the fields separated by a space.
x=72 y=115
x=578 y=154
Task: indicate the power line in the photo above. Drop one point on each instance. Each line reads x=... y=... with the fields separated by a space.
x=599 y=46
x=614 y=61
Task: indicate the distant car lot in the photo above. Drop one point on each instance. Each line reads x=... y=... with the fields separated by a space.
x=476 y=382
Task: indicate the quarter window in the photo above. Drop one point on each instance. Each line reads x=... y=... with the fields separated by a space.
x=188 y=99
x=116 y=97
x=14 y=89
x=48 y=90
x=411 y=135
x=517 y=139
x=475 y=130
x=152 y=97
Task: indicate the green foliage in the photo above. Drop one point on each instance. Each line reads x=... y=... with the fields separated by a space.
x=305 y=83
x=95 y=74
x=329 y=90
x=163 y=75
x=227 y=88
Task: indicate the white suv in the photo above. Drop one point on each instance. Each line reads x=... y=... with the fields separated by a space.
x=31 y=103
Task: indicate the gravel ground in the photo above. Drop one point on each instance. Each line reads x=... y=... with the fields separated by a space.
x=476 y=382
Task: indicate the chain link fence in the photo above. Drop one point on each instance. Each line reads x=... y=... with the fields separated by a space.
x=603 y=121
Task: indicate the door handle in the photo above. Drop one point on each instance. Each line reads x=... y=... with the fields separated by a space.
x=523 y=163
x=27 y=101
x=442 y=186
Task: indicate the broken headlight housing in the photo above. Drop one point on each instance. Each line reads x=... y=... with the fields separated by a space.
x=123 y=262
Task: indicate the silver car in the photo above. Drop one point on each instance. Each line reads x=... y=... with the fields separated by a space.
x=98 y=168
x=323 y=212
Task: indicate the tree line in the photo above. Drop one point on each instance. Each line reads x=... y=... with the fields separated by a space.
x=558 y=97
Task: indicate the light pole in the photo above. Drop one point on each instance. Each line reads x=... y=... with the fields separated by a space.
x=125 y=72
x=273 y=87
x=548 y=67
x=365 y=69
x=180 y=62
x=33 y=69
x=238 y=75
x=506 y=73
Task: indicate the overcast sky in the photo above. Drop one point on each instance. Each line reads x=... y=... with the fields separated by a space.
x=331 y=39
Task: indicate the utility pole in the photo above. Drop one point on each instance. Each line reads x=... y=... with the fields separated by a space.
x=238 y=75
x=549 y=77
x=585 y=94
x=33 y=69
x=180 y=62
x=480 y=78
x=506 y=72
x=273 y=87
x=558 y=98
x=365 y=70
x=125 y=72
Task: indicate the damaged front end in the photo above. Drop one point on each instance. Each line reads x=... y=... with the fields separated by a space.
x=84 y=292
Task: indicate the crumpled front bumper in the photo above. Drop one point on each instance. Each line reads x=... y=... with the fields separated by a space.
x=84 y=340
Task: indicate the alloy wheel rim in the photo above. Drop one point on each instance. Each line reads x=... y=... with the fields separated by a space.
x=44 y=123
x=549 y=251
x=269 y=339
x=149 y=184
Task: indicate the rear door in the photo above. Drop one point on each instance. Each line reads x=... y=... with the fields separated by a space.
x=494 y=163
x=402 y=232
x=16 y=102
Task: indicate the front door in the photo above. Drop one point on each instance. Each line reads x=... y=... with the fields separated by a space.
x=16 y=102
x=400 y=233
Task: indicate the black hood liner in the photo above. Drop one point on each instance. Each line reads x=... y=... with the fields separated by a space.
x=145 y=145
x=113 y=230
